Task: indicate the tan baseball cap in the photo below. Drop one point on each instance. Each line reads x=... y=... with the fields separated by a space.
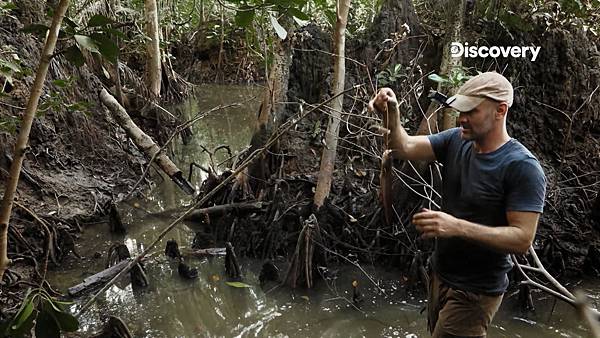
x=489 y=85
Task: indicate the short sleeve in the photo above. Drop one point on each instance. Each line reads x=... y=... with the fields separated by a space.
x=526 y=185
x=441 y=141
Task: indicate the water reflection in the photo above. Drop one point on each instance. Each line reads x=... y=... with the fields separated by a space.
x=207 y=307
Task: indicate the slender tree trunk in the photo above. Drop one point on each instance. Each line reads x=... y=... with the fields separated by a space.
x=202 y=19
x=153 y=65
x=333 y=128
x=23 y=138
x=276 y=92
x=220 y=60
x=455 y=19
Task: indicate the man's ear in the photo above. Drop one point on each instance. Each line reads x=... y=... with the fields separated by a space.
x=501 y=110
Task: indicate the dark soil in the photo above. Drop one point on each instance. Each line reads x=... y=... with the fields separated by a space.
x=76 y=163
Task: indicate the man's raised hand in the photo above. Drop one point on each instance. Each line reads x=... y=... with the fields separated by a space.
x=379 y=102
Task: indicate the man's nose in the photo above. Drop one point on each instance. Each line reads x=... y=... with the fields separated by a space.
x=462 y=117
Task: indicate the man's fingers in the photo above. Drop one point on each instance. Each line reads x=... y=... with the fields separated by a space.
x=424 y=215
x=371 y=105
x=423 y=226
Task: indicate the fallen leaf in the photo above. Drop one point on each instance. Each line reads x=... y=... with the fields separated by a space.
x=238 y=284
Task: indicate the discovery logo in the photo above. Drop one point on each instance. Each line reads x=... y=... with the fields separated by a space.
x=457 y=49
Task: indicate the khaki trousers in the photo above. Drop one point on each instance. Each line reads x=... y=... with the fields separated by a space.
x=457 y=313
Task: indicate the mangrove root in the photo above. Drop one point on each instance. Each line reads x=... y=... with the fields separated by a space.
x=232 y=266
x=301 y=267
x=114 y=328
x=172 y=249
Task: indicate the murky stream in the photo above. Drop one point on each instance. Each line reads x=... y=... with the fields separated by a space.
x=207 y=307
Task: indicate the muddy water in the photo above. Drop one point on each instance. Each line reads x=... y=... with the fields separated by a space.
x=208 y=307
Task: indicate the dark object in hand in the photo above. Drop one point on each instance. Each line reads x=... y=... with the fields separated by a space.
x=186 y=272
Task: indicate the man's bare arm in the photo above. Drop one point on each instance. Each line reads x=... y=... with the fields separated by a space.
x=403 y=146
x=516 y=237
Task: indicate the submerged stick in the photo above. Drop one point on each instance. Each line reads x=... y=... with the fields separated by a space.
x=284 y=128
x=225 y=208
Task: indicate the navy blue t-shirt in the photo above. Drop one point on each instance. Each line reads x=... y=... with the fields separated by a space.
x=481 y=188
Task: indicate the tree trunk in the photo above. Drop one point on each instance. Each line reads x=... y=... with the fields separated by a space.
x=455 y=19
x=269 y=115
x=220 y=60
x=271 y=107
x=23 y=138
x=153 y=65
x=333 y=127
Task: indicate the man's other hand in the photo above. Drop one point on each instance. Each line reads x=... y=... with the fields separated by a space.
x=436 y=224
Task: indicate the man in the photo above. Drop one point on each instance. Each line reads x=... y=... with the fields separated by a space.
x=493 y=193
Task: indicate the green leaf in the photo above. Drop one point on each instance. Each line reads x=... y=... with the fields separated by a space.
x=9 y=6
x=321 y=3
x=23 y=314
x=25 y=328
x=298 y=14
x=87 y=43
x=65 y=321
x=281 y=32
x=437 y=78
x=60 y=83
x=300 y=3
x=99 y=20
x=46 y=326
x=243 y=18
x=36 y=29
x=238 y=284
x=73 y=55
x=11 y=66
x=106 y=46
x=331 y=17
